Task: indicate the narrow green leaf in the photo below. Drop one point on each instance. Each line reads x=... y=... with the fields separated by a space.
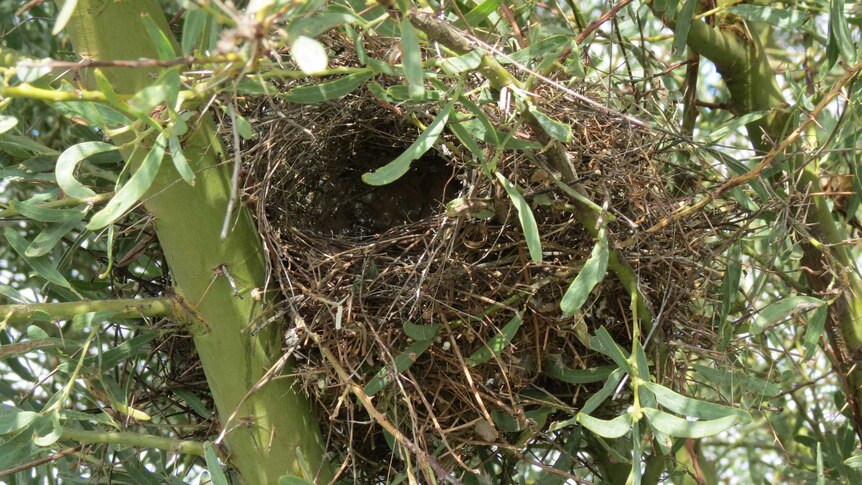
x=327 y=91
x=133 y=189
x=160 y=41
x=68 y=161
x=727 y=294
x=135 y=346
x=7 y=123
x=785 y=18
x=782 y=309
x=47 y=430
x=421 y=332
x=840 y=32
x=180 y=161
x=63 y=16
x=217 y=476
x=854 y=462
x=480 y=12
x=411 y=57
x=604 y=343
x=590 y=275
x=17 y=449
x=816 y=325
x=555 y=368
x=43 y=266
x=38 y=212
x=467 y=139
x=393 y=170
x=683 y=24
x=749 y=383
x=13 y=419
x=525 y=217
x=194 y=402
x=496 y=345
x=694 y=408
x=463 y=63
x=614 y=428
x=732 y=125
x=320 y=23
x=536 y=51
x=403 y=361
x=556 y=130
x=51 y=235
x=194 y=24
x=683 y=428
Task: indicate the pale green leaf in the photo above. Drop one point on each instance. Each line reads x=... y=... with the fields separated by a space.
x=164 y=48
x=496 y=345
x=411 y=58
x=421 y=332
x=68 y=162
x=555 y=129
x=63 y=16
x=179 y=159
x=694 y=408
x=403 y=361
x=683 y=428
x=683 y=25
x=327 y=91
x=7 y=123
x=782 y=309
x=133 y=189
x=393 y=170
x=525 y=217
x=51 y=235
x=43 y=266
x=217 y=476
x=590 y=275
x=614 y=428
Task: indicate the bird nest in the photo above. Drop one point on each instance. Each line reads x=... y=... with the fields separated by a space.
x=423 y=294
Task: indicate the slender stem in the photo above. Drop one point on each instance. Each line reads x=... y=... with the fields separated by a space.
x=136 y=440
x=126 y=308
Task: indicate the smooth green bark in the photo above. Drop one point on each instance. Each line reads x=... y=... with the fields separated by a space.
x=273 y=430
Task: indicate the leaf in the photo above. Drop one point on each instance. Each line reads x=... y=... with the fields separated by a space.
x=525 y=217
x=163 y=45
x=782 y=309
x=7 y=123
x=411 y=58
x=496 y=345
x=47 y=430
x=816 y=325
x=731 y=126
x=687 y=406
x=682 y=428
x=604 y=343
x=614 y=428
x=39 y=212
x=854 y=462
x=480 y=12
x=555 y=368
x=51 y=235
x=194 y=402
x=68 y=161
x=217 y=476
x=393 y=170
x=537 y=50
x=840 y=32
x=133 y=189
x=164 y=90
x=327 y=91
x=748 y=382
x=403 y=361
x=683 y=24
x=13 y=419
x=30 y=71
x=463 y=63
x=318 y=24
x=123 y=351
x=43 y=266
x=556 y=130
x=293 y=480
x=179 y=159
x=194 y=24
x=309 y=55
x=17 y=449
x=788 y=19
x=63 y=16
x=421 y=332
x=590 y=275
x=727 y=294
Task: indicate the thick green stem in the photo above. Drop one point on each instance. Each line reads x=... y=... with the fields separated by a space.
x=134 y=440
x=270 y=432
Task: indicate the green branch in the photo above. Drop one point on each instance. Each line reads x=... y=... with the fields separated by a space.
x=134 y=440
x=120 y=309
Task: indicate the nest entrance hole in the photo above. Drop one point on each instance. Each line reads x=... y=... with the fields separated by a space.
x=324 y=192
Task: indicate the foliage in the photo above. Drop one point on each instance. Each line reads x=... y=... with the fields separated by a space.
x=754 y=108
